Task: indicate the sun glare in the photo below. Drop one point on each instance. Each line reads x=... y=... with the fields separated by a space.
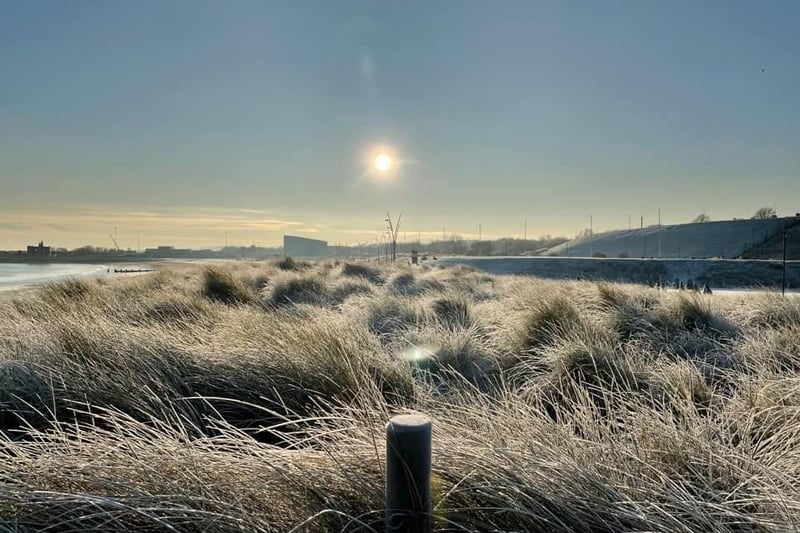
x=383 y=163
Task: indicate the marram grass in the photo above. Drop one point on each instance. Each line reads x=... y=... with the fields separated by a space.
x=252 y=397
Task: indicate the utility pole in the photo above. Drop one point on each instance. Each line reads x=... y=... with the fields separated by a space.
x=659 y=233
x=783 y=281
x=641 y=222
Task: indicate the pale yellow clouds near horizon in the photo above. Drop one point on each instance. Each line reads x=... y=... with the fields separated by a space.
x=72 y=227
x=194 y=227
x=186 y=227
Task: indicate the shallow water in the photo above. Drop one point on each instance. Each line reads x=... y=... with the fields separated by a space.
x=17 y=275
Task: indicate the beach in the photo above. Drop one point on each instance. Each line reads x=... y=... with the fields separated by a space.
x=16 y=276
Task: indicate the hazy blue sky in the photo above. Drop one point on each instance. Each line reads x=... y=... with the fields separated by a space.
x=185 y=119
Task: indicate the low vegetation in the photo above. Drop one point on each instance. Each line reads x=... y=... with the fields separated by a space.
x=252 y=397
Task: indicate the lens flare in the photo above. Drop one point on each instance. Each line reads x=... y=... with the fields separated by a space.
x=418 y=354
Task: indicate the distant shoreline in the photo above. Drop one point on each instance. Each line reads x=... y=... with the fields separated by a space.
x=60 y=260
x=93 y=270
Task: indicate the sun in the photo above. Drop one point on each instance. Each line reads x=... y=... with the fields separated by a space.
x=383 y=163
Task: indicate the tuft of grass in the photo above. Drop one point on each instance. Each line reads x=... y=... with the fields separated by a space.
x=355 y=270
x=764 y=413
x=162 y=403
x=292 y=265
x=452 y=312
x=695 y=313
x=65 y=294
x=597 y=365
x=221 y=286
x=347 y=288
x=772 y=311
x=296 y=289
x=390 y=315
x=682 y=387
x=548 y=321
x=407 y=284
x=174 y=309
x=773 y=350
x=451 y=357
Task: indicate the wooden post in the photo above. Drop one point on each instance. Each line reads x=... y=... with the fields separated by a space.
x=408 y=474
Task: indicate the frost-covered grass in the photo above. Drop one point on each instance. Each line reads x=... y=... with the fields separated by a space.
x=252 y=397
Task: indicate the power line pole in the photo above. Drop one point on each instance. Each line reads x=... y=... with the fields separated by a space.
x=659 y=233
x=783 y=281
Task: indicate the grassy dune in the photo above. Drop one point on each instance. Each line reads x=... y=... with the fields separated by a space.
x=252 y=397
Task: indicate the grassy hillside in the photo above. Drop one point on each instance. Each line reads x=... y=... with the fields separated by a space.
x=724 y=238
x=252 y=397
x=773 y=247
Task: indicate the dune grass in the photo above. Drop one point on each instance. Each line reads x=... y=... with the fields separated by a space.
x=252 y=397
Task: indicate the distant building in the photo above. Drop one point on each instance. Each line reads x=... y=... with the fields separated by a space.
x=40 y=250
x=170 y=252
x=303 y=247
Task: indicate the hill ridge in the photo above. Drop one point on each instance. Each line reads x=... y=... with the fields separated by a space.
x=702 y=240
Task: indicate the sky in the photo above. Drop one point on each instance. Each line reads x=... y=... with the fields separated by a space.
x=181 y=122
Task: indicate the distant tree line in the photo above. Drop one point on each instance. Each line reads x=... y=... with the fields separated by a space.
x=762 y=213
x=506 y=246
